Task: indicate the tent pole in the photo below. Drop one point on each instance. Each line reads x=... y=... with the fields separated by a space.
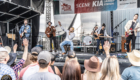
x=7 y=27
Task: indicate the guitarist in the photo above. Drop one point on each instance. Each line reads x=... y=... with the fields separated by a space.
x=52 y=35
x=25 y=31
x=132 y=24
x=101 y=32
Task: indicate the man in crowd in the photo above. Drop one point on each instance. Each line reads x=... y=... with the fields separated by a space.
x=68 y=40
x=4 y=68
x=133 y=72
x=44 y=60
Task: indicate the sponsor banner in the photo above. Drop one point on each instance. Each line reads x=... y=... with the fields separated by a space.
x=83 y=6
x=66 y=6
x=126 y=4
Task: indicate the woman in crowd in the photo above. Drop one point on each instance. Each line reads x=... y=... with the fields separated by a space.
x=71 y=70
x=110 y=69
x=54 y=68
x=92 y=69
x=71 y=55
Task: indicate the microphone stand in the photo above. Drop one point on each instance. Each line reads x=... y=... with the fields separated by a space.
x=12 y=34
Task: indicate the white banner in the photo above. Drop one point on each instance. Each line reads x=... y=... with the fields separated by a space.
x=126 y=4
x=66 y=6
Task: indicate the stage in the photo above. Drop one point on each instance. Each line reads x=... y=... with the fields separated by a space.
x=122 y=58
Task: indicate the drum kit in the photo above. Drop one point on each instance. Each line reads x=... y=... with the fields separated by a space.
x=86 y=39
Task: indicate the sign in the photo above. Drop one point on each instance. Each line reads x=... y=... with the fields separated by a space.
x=66 y=6
x=82 y=6
x=126 y=4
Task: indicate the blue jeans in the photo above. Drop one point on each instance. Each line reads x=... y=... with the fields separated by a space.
x=98 y=43
x=64 y=43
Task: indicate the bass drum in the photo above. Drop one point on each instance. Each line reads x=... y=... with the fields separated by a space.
x=87 y=40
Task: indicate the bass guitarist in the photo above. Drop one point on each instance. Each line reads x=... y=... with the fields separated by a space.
x=132 y=24
x=101 y=32
x=51 y=35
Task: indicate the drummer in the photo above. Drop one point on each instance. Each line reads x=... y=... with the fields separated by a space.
x=94 y=31
x=102 y=32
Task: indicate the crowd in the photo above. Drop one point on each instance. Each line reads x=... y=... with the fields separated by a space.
x=39 y=65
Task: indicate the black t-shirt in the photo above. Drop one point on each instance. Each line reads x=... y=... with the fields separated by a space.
x=132 y=26
x=102 y=32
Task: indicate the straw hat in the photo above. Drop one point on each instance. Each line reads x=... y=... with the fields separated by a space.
x=134 y=57
x=93 y=64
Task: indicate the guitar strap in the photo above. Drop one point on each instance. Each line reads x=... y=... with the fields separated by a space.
x=135 y=24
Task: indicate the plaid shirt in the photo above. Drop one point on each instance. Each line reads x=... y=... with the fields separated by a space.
x=5 y=69
x=17 y=67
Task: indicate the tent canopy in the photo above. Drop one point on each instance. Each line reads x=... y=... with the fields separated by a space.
x=14 y=13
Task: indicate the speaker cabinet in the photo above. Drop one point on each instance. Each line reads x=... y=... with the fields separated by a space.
x=113 y=48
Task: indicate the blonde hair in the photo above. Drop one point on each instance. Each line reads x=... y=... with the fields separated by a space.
x=110 y=69
x=72 y=28
x=91 y=75
x=67 y=59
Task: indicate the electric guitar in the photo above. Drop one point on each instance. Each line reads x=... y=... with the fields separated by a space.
x=23 y=33
x=130 y=31
x=50 y=32
x=101 y=36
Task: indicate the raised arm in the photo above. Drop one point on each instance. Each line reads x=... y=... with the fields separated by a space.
x=61 y=26
x=107 y=48
x=14 y=55
x=25 y=43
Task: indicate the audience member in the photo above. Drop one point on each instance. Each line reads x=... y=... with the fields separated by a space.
x=110 y=66
x=44 y=60
x=54 y=68
x=6 y=77
x=19 y=65
x=133 y=72
x=71 y=70
x=92 y=69
x=4 y=68
x=71 y=55
x=11 y=55
x=33 y=67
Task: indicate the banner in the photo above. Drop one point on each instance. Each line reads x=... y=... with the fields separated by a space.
x=126 y=4
x=82 y=6
x=66 y=6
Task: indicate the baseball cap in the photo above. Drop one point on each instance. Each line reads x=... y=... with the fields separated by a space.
x=45 y=55
x=36 y=50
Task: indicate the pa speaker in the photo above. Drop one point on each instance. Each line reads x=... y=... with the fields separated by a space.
x=113 y=48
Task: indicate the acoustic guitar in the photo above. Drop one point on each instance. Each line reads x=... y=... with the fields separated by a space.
x=48 y=35
x=130 y=31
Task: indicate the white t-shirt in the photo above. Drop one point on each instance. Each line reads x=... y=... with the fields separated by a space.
x=30 y=71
